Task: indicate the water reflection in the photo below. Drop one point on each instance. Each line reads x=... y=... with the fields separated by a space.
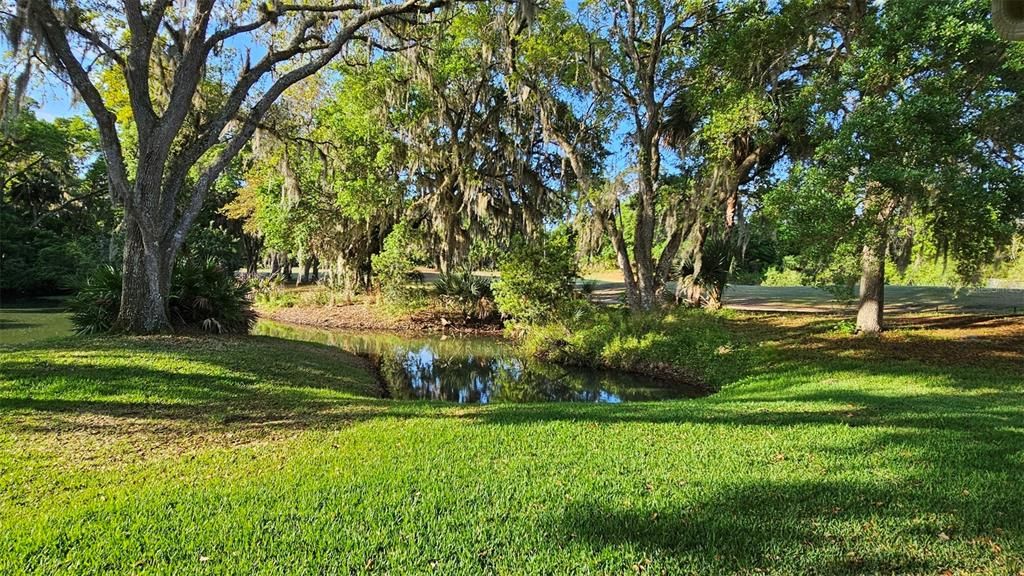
x=476 y=370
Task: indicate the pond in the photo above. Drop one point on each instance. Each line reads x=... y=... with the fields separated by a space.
x=477 y=370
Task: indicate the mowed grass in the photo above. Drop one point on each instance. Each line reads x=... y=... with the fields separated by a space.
x=831 y=455
x=33 y=319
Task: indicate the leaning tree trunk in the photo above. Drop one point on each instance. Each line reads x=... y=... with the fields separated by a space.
x=145 y=286
x=622 y=257
x=872 y=287
x=643 y=235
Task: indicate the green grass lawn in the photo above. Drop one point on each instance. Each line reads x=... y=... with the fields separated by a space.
x=255 y=455
x=33 y=319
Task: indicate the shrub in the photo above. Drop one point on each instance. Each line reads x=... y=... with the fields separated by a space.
x=470 y=295
x=782 y=277
x=843 y=293
x=587 y=289
x=205 y=295
x=212 y=242
x=202 y=296
x=536 y=277
x=264 y=290
x=394 y=265
x=845 y=327
x=94 y=308
x=40 y=261
x=689 y=345
x=716 y=262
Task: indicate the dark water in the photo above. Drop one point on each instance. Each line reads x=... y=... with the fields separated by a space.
x=477 y=370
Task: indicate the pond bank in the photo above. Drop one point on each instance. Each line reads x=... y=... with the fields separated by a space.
x=474 y=369
x=362 y=316
x=669 y=353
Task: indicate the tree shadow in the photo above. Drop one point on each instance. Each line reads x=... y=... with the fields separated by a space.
x=967 y=422
x=964 y=349
x=14 y=324
x=807 y=526
x=262 y=387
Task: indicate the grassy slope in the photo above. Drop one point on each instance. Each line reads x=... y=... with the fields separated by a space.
x=254 y=455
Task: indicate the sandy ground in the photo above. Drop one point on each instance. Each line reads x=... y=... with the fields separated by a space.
x=610 y=288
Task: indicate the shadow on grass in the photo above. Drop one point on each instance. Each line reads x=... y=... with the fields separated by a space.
x=965 y=422
x=186 y=386
x=16 y=325
x=804 y=525
x=267 y=383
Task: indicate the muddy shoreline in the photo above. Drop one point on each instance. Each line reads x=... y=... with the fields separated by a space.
x=359 y=316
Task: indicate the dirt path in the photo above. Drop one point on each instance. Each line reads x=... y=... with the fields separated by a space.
x=609 y=289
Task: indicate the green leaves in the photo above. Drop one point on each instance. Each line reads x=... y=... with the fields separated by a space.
x=904 y=116
x=536 y=277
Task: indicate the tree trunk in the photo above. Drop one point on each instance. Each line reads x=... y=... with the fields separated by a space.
x=622 y=256
x=286 y=266
x=872 y=287
x=643 y=235
x=145 y=287
x=275 y=264
x=251 y=246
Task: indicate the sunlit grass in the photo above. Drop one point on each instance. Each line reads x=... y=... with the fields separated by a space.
x=253 y=455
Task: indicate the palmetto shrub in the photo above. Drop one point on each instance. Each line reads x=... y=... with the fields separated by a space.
x=203 y=295
x=94 y=308
x=470 y=295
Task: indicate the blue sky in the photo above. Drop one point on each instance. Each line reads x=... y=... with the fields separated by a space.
x=55 y=100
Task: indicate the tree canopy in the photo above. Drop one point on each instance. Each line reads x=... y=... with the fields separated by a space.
x=685 y=142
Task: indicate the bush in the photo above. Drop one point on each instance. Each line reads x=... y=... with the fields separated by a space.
x=694 y=346
x=716 y=261
x=39 y=261
x=203 y=296
x=394 y=265
x=536 y=278
x=842 y=293
x=94 y=308
x=214 y=243
x=265 y=291
x=470 y=295
x=782 y=277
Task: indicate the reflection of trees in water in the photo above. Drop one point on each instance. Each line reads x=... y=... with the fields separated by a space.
x=420 y=373
x=474 y=370
x=535 y=382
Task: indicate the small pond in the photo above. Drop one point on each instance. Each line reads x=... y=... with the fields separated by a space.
x=477 y=370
